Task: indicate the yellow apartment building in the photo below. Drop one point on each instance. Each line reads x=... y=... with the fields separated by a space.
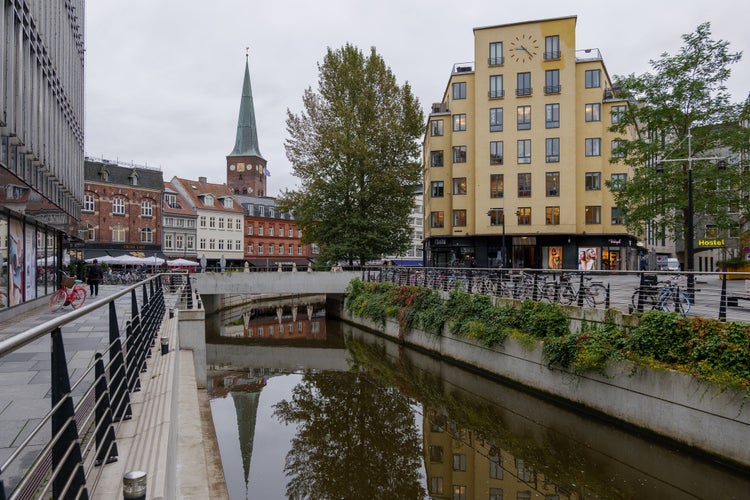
x=517 y=155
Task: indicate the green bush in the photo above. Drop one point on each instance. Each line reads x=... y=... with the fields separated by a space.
x=709 y=349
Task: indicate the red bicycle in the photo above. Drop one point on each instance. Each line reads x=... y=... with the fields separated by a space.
x=71 y=292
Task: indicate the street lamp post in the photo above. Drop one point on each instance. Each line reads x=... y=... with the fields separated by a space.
x=690 y=230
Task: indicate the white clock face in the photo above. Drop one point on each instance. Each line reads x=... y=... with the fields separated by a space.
x=232 y=167
x=249 y=190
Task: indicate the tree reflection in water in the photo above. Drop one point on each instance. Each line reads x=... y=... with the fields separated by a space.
x=355 y=439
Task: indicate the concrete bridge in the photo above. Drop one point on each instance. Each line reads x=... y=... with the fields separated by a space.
x=273 y=282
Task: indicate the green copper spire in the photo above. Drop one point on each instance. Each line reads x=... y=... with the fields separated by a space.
x=247 y=133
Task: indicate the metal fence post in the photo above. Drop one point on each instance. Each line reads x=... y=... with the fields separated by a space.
x=581 y=292
x=131 y=356
x=106 y=445
x=70 y=482
x=117 y=371
x=723 y=299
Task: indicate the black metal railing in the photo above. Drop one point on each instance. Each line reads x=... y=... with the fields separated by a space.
x=626 y=291
x=81 y=421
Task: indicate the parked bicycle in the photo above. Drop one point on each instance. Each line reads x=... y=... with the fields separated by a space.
x=663 y=296
x=71 y=292
x=593 y=293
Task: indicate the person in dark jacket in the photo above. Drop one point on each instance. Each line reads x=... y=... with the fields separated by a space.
x=94 y=277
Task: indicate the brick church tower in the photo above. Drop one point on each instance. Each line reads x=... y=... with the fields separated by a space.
x=246 y=168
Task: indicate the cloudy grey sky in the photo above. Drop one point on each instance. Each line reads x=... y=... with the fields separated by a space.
x=164 y=77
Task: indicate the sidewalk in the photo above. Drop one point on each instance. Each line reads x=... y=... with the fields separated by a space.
x=164 y=438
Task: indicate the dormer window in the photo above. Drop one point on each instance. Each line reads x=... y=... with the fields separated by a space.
x=104 y=174
x=228 y=202
x=133 y=178
x=208 y=200
x=171 y=200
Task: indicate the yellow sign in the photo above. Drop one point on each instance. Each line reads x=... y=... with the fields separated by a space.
x=711 y=243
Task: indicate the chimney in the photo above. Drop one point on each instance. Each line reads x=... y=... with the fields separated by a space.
x=202 y=180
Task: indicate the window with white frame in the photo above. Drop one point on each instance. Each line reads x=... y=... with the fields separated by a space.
x=118 y=206
x=212 y=222
x=190 y=242
x=211 y=244
x=147 y=208
x=202 y=243
x=118 y=234
x=146 y=235
x=249 y=229
x=168 y=242
x=221 y=222
x=221 y=244
x=203 y=221
x=88 y=203
x=261 y=229
x=179 y=242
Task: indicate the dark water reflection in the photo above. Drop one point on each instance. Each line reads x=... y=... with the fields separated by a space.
x=358 y=416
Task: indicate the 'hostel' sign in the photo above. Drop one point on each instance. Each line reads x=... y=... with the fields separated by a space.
x=711 y=243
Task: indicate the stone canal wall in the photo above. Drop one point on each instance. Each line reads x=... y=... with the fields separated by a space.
x=666 y=403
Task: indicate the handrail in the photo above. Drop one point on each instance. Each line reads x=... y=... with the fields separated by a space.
x=83 y=435
x=39 y=331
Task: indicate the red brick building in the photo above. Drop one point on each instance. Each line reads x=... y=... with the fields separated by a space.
x=121 y=209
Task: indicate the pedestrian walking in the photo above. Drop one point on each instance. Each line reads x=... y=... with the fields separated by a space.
x=94 y=277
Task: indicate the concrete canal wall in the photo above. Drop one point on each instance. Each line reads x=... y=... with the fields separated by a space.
x=667 y=403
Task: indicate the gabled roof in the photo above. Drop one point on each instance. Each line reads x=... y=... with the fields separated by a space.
x=195 y=193
x=182 y=208
x=246 y=143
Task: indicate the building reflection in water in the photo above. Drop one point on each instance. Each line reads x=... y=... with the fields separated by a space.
x=276 y=318
x=357 y=416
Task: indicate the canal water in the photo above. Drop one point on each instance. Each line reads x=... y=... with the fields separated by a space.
x=308 y=407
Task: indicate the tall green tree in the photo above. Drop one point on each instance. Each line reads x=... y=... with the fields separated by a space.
x=682 y=110
x=355 y=149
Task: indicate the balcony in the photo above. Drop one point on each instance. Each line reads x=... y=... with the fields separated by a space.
x=523 y=92
x=466 y=67
x=552 y=55
x=495 y=61
x=440 y=107
x=552 y=89
x=496 y=94
x=588 y=55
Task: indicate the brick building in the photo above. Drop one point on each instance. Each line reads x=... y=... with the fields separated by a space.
x=121 y=211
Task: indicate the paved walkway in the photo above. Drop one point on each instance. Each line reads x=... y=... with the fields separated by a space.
x=150 y=441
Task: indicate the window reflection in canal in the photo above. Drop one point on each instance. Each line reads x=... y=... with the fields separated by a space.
x=346 y=414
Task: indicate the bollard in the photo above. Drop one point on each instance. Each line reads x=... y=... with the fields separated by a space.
x=134 y=485
x=164 y=345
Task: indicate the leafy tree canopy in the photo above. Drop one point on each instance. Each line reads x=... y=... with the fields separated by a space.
x=684 y=96
x=355 y=150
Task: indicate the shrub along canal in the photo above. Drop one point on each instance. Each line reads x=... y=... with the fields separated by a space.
x=307 y=406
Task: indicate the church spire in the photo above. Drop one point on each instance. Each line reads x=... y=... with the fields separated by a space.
x=246 y=143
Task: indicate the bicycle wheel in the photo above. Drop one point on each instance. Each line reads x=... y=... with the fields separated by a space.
x=596 y=294
x=674 y=301
x=567 y=295
x=549 y=292
x=57 y=300
x=78 y=297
